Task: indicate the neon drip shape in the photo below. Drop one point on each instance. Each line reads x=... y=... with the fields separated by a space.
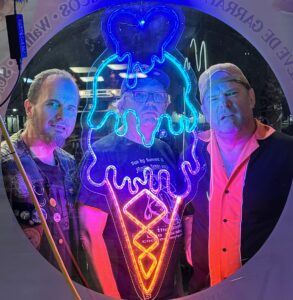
x=134 y=65
x=185 y=123
x=147 y=179
x=138 y=186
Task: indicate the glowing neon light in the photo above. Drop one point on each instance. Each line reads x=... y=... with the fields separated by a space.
x=95 y=89
x=135 y=66
x=125 y=232
x=142 y=24
x=148 y=263
x=154 y=271
x=146 y=252
x=198 y=58
x=184 y=122
x=148 y=175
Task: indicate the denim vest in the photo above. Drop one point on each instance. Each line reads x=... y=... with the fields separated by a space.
x=16 y=188
x=65 y=160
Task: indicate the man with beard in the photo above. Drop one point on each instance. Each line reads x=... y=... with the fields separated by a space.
x=247 y=178
x=102 y=230
x=51 y=110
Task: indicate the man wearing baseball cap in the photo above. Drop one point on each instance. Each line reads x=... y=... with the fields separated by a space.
x=106 y=249
x=247 y=180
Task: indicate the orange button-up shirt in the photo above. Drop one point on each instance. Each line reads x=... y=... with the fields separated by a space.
x=225 y=206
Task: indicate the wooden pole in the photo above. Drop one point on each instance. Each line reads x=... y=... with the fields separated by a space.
x=38 y=209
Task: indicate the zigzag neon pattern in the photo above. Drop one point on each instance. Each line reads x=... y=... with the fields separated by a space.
x=148 y=175
x=137 y=260
x=146 y=229
x=199 y=58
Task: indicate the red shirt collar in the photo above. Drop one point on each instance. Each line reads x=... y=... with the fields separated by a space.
x=261 y=133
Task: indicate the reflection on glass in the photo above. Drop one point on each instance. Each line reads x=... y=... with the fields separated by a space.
x=139 y=169
x=51 y=110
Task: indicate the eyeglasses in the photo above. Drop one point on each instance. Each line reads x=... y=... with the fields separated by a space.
x=143 y=96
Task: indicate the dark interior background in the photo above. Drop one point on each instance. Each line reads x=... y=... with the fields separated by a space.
x=80 y=43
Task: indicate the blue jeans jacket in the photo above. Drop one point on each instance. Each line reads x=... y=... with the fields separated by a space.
x=64 y=230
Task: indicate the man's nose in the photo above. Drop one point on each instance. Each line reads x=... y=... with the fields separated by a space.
x=60 y=113
x=150 y=99
x=226 y=101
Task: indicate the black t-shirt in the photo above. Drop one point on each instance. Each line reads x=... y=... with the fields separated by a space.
x=136 y=205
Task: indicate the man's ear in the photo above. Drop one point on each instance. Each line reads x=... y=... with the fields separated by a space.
x=120 y=105
x=203 y=109
x=251 y=98
x=28 y=108
x=205 y=112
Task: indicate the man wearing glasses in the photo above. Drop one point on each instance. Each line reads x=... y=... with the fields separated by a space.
x=247 y=179
x=105 y=249
x=51 y=110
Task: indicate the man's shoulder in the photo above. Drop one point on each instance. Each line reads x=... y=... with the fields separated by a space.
x=280 y=141
x=163 y=146
x=280 y=136
x=5 y=152
x=16 y=141
x=197 y=142
x=106 y=143
x=64 y=154
x=158 y=143
x=277 y=150
x=66 y=160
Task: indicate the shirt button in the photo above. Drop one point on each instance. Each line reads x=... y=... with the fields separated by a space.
x=60 y=241
x=225 y=220
x=226 y=191
x=224 y=249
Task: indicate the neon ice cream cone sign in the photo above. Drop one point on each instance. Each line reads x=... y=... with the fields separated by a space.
x=146 y=262
x=146 y=253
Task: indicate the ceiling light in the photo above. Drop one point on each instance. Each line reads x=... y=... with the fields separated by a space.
x=117 y=67
x=101 y=93
x=131 y=75
x=82 y=69
x=27 y=80
x=90 y=79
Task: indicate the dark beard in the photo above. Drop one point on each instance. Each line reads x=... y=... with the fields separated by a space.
x=54 y=140
x=60 y=141
x=49 y=138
